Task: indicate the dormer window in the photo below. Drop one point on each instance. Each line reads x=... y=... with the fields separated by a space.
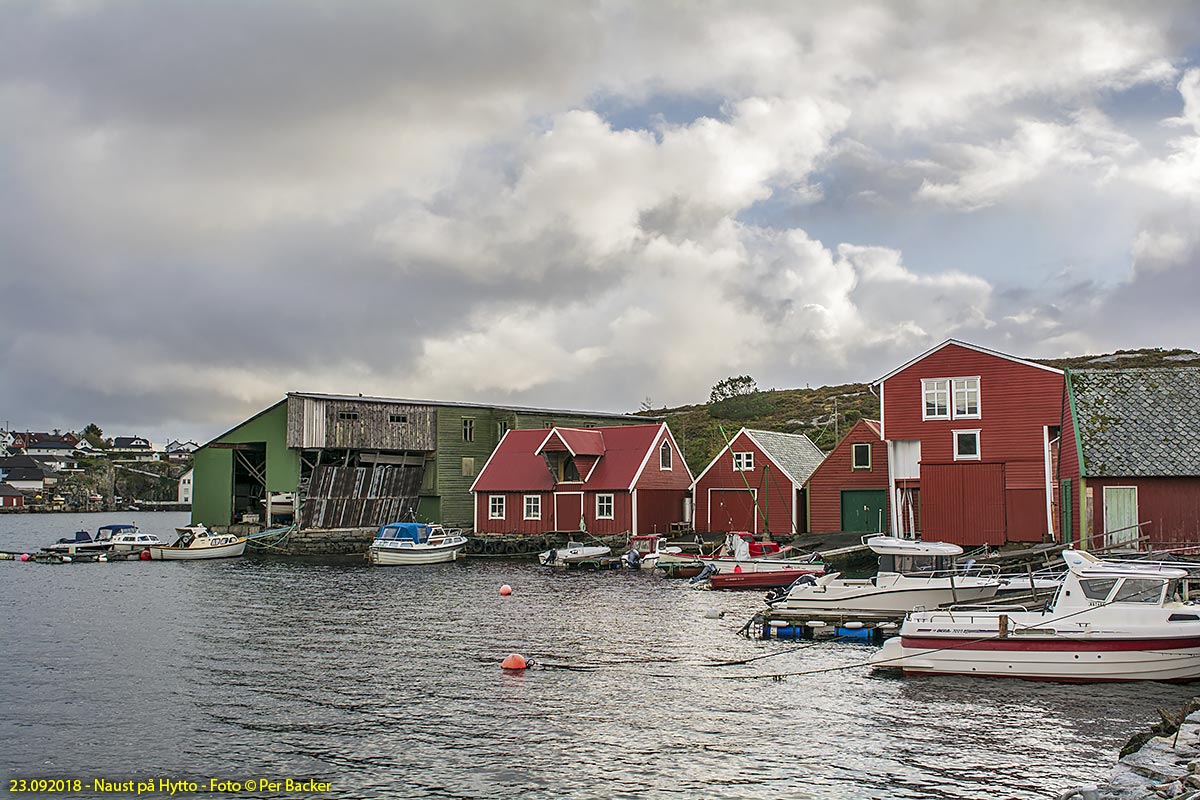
x=664 y=456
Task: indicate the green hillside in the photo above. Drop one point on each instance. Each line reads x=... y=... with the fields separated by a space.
x=825 y=414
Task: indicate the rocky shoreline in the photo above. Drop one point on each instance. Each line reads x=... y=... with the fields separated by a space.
x=1163 y=762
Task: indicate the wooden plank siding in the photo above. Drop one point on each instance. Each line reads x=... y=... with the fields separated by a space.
x=837 y=472
x=1171 y=506
x=514 y=522
x=315 y=423
x=659 y=509
x=1017 y=401
x=772 y=487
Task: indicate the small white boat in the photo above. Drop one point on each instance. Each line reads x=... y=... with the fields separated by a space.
x=1108 y=622
x=574 y=551
x=912 y=574
x=132 y=539
x=195 y=545
x=401 y=543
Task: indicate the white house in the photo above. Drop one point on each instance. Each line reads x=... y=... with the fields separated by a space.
x=185 y=486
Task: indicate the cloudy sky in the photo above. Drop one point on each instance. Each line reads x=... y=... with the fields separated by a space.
x=204 y=205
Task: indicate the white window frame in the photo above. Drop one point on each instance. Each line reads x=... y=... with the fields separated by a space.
x=537 y=501
x=497 y=511
x=958 y=385
x=854 y=455
x=612 y=506
x=743 y=462
x=665 y=450
x=929 y=385
x=978 y=455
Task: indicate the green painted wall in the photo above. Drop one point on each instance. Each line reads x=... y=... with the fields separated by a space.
x=212 y=501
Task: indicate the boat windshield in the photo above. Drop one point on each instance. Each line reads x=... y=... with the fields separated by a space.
x=1140 y=590
x=915 y=564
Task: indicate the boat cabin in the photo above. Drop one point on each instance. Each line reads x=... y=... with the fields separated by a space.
x=402 y=532
x=1092 y=583
x=908 y=556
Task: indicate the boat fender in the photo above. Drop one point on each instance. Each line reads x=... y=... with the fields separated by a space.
x=511 y=548
x=144 y=555
x=505 y=590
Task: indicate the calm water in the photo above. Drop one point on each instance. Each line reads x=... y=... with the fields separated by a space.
x=385 y=682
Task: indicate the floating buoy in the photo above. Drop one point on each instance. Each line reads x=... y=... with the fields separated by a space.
x=505 y=591
x=852 y=626
x=66 y=559
x=514 y=661
x=102 y=558
x=886 y=626
x=737 y=568
x=778 y=623
x=815 y=623
x=24 y=556
x=713 y=613
x=145 y=555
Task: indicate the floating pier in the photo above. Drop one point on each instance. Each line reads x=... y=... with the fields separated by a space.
x=799 y=625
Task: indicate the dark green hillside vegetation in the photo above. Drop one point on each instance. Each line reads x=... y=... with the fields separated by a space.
x=1128 y=359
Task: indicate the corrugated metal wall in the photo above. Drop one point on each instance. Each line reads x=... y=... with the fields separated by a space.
x=963 y=503
x=360 y=497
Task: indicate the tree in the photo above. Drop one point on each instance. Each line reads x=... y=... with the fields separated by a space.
x=732 y=387
x=95 y=436
x=647 y=405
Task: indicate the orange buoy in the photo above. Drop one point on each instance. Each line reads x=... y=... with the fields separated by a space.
x=505 y=590
x=145 y=555
x=514 y=661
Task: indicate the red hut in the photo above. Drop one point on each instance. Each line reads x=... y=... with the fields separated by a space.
x=969 y=434
x=1129 y=462
x=754 y=484
x=849 y=491
x=626 y=479
x=10 y=497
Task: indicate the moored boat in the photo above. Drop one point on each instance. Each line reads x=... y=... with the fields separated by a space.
x=131 y=539
x=84 y=542
x=646 y=549
x=1108 y=622
x=407 y=543
x=199 y=545
x=912 y=574
x=743 y=555
x=573 y=552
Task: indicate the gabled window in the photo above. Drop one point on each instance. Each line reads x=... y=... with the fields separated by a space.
x=966 y=446
x=664 y=456
x=862 y=455
x=496 y=506
x=533 y=506
x=604 y=506
x=937 y=398
x=743 y=462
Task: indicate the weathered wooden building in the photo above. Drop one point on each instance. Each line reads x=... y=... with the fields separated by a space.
x=756 y=484
x=609 y=480
x=970 y=435
x=354 y=461
x=1129 y=463
x=849 y=490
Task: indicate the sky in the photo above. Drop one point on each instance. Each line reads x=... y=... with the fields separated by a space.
x=584 y=205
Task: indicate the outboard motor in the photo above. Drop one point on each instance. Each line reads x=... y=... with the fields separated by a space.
x=633 y=559
x=552 y=556
x=705 y=573
x=776 y=595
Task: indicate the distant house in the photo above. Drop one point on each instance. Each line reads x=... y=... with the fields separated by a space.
x=11 y=497
x=180 y=451
x=969 y=433
x=28 y=479
x=756 y=484
x=185 y=486
x=605 y=480
x=132 y=447
x=849 y=491
x=48 y=444
x=1129 y=461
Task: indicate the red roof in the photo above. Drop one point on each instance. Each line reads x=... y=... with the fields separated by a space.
x=516 y=465
x=873 y=424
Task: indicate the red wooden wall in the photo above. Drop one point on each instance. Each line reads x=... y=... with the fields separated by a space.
x=836 y=473
x=776 y=495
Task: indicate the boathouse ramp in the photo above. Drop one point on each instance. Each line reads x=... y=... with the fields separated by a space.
x=361 y=496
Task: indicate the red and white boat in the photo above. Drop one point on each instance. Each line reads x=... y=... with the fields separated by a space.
x=1108 y=622
x=746 y=563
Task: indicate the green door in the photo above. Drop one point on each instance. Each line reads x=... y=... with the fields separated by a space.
x=864 y=510
x=1120 y=516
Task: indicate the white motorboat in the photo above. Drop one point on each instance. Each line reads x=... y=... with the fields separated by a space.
x=401 y=543
x=83 y=542
x=912 y=574
x=645 y=550
x=742 y=553
x=1109 y=621
x=132 y=539
x=574 y=551
x=194 y=545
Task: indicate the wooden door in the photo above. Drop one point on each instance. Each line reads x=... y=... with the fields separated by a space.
x=1120 y=516
x=568 y=511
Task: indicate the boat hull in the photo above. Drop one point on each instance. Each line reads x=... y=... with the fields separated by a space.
x=409 y=556
x=864 y=598
x=769 y=579
x=1046 y=659
x=570 y=555
x=232 y=550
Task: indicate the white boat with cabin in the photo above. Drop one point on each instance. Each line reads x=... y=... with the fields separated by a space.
x=1108 y=622
x=407 y=543
x=574 y=551
x=645 y=550
x=912 y=574
x=131 y=540
x=195 y=545
x=83 y=542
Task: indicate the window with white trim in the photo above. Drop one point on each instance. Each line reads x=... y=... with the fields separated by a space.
x=496 y=506
x=966 y=397
x=664 y=456
x=937 y=398
x=861 y=455
x=743 y=462
x=604 y=506
x=533 y=506
x=966 y=446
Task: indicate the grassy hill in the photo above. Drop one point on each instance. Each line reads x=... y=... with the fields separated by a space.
x=825 y=414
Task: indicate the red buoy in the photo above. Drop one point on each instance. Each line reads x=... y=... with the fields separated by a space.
x=145 y=555
x=24 y=556
x=505 y=590
x=514 y=661
x=737 y=568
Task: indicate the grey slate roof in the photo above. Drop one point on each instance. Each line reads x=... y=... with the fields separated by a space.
x=793 y=452
x=1138 y=422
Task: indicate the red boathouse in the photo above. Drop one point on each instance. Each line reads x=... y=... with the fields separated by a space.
x=627 y=479
x=849 y=491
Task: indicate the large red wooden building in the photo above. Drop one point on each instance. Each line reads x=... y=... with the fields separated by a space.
x=969 y=435
x=1129 y=464
x=756 y=484
x=627 y=479
x=849 y=491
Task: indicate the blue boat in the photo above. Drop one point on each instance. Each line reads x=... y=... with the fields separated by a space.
x=415 y=543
